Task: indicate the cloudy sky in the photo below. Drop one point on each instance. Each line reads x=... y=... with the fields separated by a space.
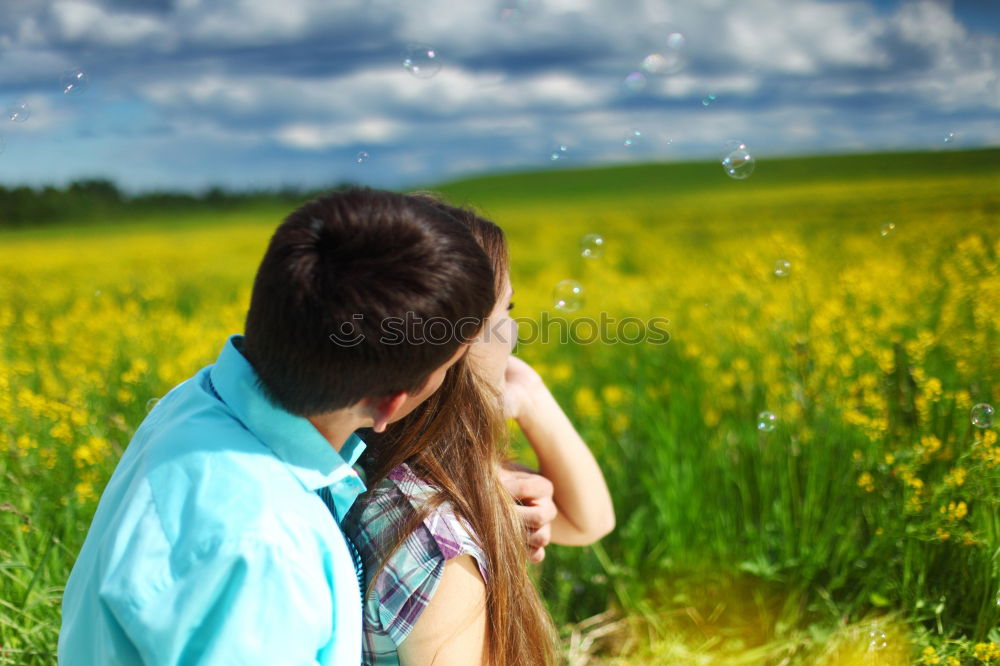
x=259 y=93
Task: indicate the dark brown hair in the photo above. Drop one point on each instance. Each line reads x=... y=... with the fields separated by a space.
x=338 y=270
x=456 y=441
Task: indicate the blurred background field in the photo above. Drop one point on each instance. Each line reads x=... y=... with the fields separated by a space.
x=854 y=298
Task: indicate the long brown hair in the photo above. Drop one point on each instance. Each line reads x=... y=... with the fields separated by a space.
x=455 y=441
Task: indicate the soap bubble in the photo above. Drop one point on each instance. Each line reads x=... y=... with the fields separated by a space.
x=782 y=268
x=422 y=61
x=151 y=403
x=19 y=111
x=708 y=99
x=728 y=146
x=635 y=82
x=949 y=137
x=982 y=415
x=877 y=639
x=511 y=15
x=74 y=81
x=654 y=63
x=633 y=137
x=361 y=157
x=514 y=12
x=887 y=229
x=558 y=153
x=592 y=246
x=668 y=56
x=766 y=421
x=739 y=164
x=568 y=296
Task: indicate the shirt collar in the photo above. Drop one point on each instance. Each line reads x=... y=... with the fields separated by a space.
x=293 y=439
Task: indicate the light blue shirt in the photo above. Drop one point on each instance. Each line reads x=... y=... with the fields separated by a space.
x=210 y=544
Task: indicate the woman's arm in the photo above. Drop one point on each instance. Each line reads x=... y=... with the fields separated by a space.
x=580 y=493
x=451 y=630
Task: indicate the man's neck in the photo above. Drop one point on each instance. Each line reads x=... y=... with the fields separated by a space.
x=337 y=426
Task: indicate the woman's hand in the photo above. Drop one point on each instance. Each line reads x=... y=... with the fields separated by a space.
x=535 y=507
x=521 y=384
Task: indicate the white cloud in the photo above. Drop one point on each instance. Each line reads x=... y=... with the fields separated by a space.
x=82 y=21
x=317 y=137
x=802 y=37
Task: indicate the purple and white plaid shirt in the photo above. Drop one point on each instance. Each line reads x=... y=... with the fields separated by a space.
x=406 y=583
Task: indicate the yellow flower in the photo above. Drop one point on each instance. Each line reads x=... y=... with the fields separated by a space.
x=986 y=651
x=955 y=511
x=561 y=372
x=85 y=491
x=955 y=477
x=586 y=402
x=867 y=482
x=943 y=534
x=620 y=422
x=613 y=395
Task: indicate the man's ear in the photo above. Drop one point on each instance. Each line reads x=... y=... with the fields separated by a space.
x=381 y=410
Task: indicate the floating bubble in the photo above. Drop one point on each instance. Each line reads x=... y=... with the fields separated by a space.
x=592 y=246
x=766 y=421
x=19 y=111
x=511 y=15
x=708 y=99
x=982 y=415
x=151 y=403
x=949 y=137
x=558 y=153
x=361 y=157
x=514 y=12
x=877 y=640
x=739 y=164
x=728 y=146
x=654 y=63
x=676 y=40
x=782 y=268
x=669 y=58
x=74 y=81
x=422 y=61
x=633 y=137
x=568 y=296
x=635 y=82
x=887 y=229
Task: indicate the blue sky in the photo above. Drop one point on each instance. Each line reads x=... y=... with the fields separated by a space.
x=259 y=93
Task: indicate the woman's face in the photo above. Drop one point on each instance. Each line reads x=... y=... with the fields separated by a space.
x=495 y=342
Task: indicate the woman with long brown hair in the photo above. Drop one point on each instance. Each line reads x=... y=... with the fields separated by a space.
x=443 y=550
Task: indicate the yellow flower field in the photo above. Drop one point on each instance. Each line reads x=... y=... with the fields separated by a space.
x=873 y=496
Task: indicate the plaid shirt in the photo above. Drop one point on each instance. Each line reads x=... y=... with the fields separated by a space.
x=406 y=583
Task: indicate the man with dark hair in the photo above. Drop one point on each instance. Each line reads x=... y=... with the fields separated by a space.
x=217 y=539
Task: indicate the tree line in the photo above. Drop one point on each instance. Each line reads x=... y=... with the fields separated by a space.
x=100 y=200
